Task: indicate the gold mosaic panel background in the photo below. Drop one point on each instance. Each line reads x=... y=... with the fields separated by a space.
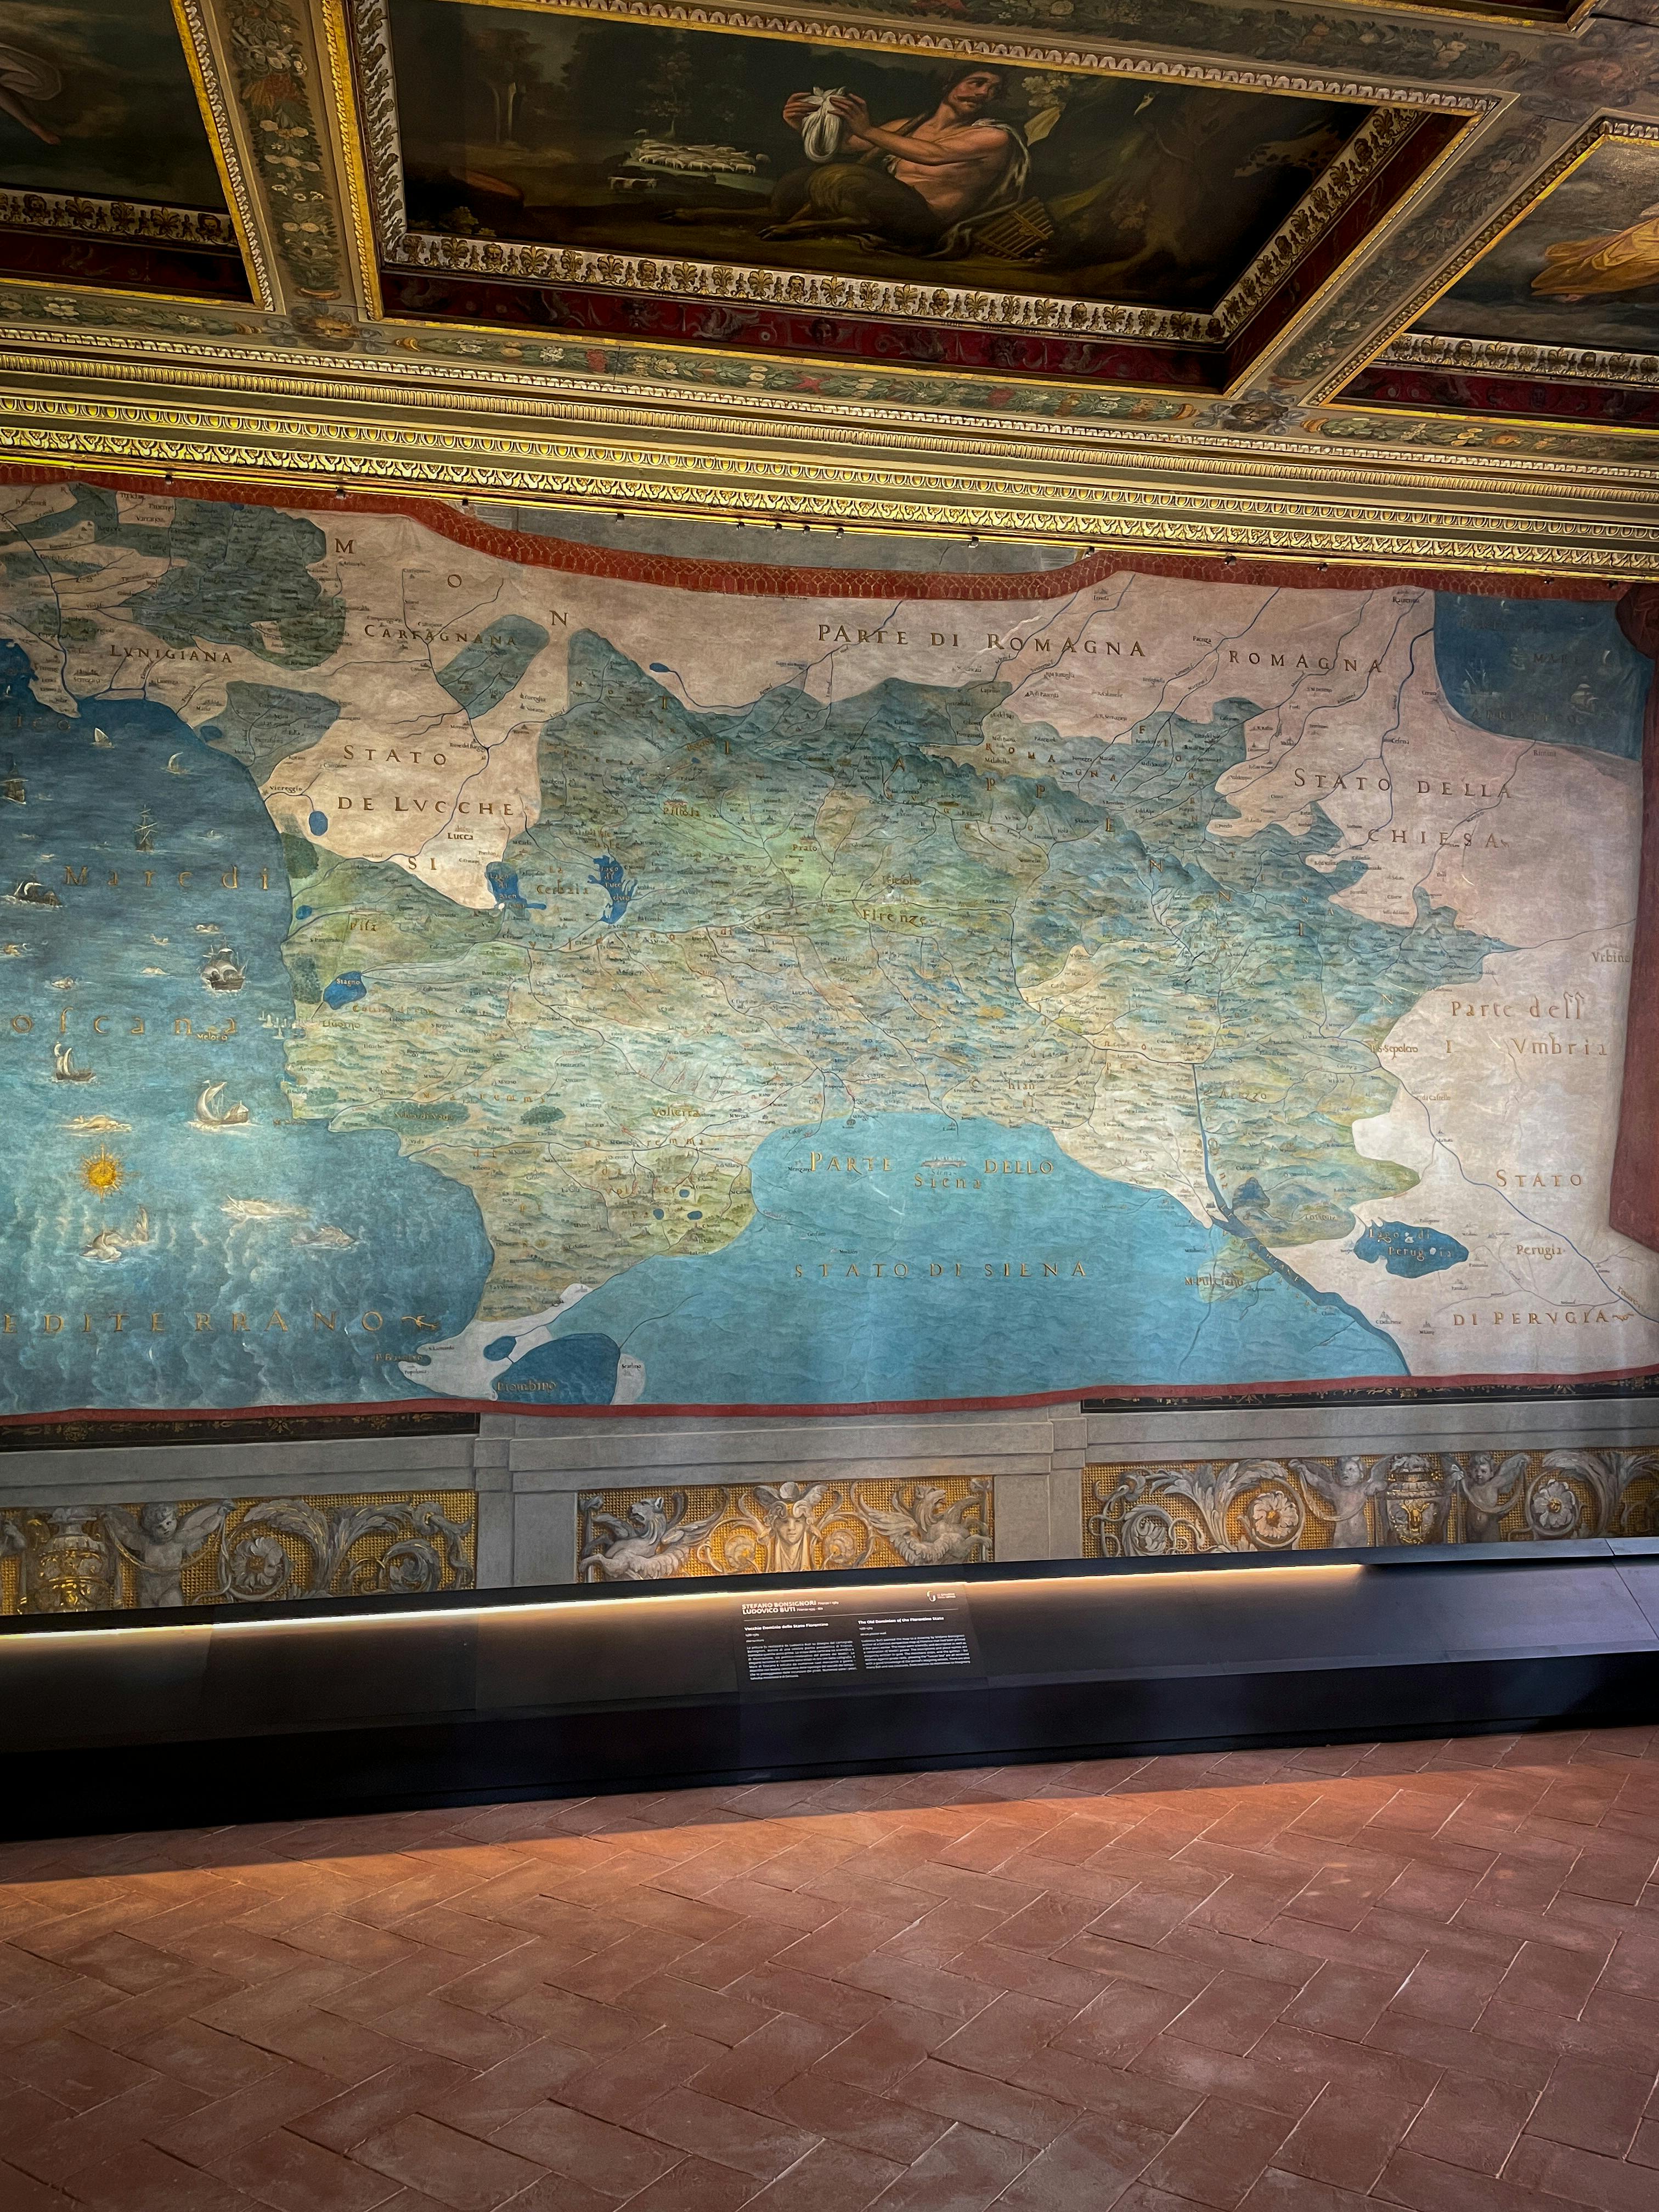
x=786 y=1528
x=1148 y=1510
x=98 y=1558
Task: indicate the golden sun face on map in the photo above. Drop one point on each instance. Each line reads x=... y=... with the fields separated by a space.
x=102 y=1173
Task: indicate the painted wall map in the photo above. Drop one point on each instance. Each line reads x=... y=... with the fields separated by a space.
x=435 y=962
x=633 y=138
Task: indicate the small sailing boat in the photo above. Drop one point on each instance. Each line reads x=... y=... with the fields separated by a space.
x=143 y=832
x=31 y=891
x=209 y=1114
x=63 y=1069
x=13 y=788
x=104 y=742
x=175 y=765
x=222 y=971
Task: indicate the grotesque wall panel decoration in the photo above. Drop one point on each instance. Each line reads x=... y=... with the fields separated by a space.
x=1150 y=1511
x=96 y=1559
x=783 y=1529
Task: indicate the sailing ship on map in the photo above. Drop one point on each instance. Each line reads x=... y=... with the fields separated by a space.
x=210 y=1115
x=143 y=832
x=14 y=788
x=63 y=1069
x=29 y=890
x=222 y=971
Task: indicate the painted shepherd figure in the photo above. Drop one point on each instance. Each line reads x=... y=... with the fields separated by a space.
x=920 y=184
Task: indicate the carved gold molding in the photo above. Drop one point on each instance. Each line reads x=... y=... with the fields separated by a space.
x=1497 y=357
x=1027 y=48
x=345 y=131
x=692 y=476
x=228 y=152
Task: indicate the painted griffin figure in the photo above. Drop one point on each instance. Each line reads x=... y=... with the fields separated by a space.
x=655 y=1542
x=927 y=1532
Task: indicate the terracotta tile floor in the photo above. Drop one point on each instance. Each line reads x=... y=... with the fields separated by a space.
x=1420 y=1975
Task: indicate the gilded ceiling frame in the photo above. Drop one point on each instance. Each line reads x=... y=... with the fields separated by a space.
x=364 y=25
x=222 y=116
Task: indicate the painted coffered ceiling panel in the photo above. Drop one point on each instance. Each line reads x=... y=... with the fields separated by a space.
x=1554 y=309
x=1192 y=274
x=1581 y=268
x=107 y=169
x=549 y=165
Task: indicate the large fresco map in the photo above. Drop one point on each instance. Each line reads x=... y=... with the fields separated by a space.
x=431 y=966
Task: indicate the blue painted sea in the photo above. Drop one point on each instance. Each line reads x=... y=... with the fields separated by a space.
x=906 y=1256
x=156 y=1254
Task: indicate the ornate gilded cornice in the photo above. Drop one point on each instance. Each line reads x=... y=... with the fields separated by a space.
x=341 y=393
x=1494 y=357
x=311 y=384
x=117 y=219
x=691 y=464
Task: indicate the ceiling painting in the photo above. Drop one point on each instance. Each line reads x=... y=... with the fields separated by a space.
x=1204 y=273
x=1554 y=309
x=108 y=175
x=1581 y=270
x=627 y=138
x=627 y=176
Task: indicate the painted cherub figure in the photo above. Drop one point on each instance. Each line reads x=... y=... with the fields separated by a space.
x=161 y=1543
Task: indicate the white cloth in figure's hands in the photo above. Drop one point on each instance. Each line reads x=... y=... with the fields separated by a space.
x=820 y=134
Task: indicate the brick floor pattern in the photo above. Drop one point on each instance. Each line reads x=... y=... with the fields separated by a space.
x=1421 y=1976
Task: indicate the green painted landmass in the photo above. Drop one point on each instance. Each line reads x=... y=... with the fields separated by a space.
x=261 y=724
x=880 y=904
